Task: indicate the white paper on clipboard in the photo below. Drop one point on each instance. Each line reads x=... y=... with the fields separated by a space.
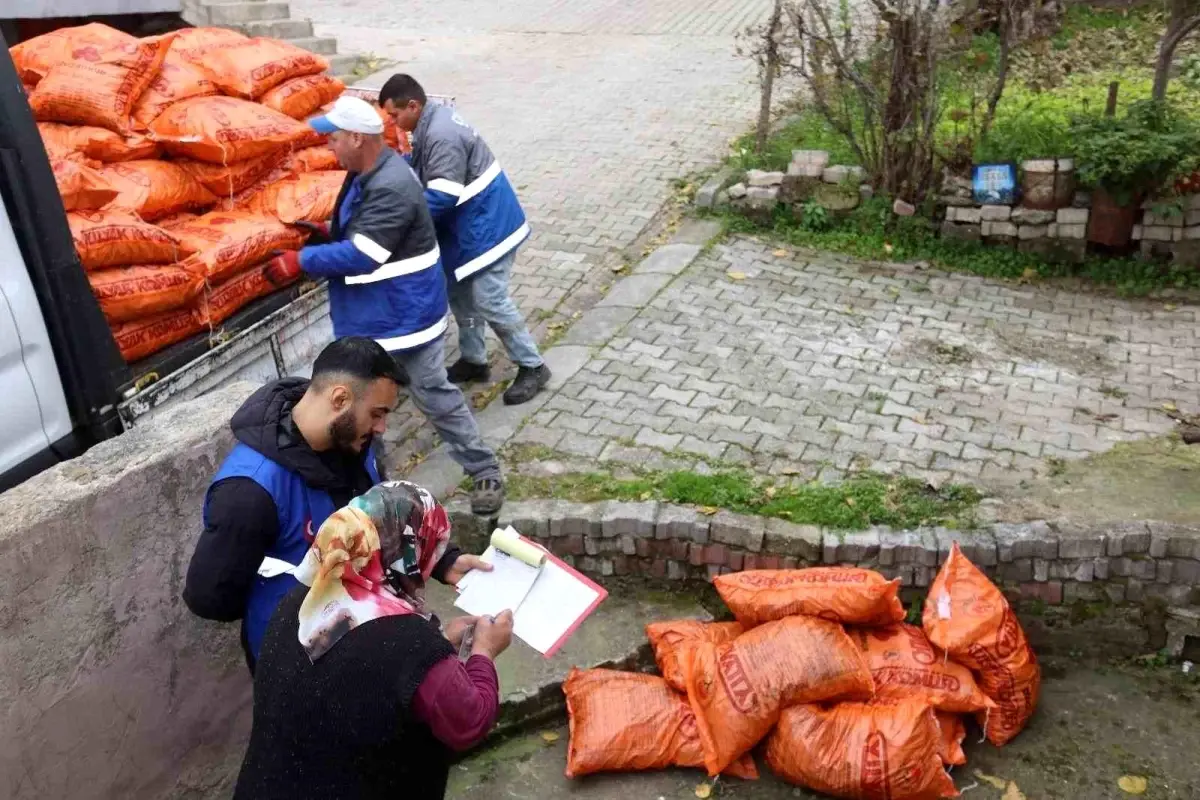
x=547 y=609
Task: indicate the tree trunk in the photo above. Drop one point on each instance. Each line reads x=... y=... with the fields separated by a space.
x=770 y=67
x=1185 y=18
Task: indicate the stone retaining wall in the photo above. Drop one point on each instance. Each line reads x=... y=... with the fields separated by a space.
x=1056 y=563
x=109 y=687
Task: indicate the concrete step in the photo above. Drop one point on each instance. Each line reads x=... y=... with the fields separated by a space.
x=234 y=14
x=343 y=64
x=613 y=636
x=325 y=45
x=278 y=28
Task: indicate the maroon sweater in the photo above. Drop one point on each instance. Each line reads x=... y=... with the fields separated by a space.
x=459 y=701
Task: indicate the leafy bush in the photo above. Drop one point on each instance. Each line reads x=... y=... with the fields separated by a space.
x=1136 y=153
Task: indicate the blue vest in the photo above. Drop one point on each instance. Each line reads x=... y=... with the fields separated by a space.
x=298 y=507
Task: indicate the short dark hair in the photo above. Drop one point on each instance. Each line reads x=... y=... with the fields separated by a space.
x=356 y=357
x=400 y=89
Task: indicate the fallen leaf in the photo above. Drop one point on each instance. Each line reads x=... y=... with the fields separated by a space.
x=1028 y=276
x=850 y=502
x=736 y=276
x=703 y=791
x=618 y=267
x=549 y=736
x=708 y=511
x=770 y=492
x=1012 y=792
x=1170 y=407
x=780 y=253
x=646 y=495
x=1170 y=307
x=1132 y=784
x=998 y=783
x=789 y=471
x=887 y=248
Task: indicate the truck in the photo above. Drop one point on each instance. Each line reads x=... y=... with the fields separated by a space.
x=66 y=384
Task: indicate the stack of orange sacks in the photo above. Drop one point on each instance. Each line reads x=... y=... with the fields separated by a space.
x=820 y=667
x=183 y=162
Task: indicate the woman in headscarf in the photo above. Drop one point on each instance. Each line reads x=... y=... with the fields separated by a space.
x=358 y=692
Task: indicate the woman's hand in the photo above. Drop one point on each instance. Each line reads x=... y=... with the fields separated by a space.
x=457 y=628
x=493 y=635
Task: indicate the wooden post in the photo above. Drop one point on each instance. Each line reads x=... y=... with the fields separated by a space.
x=1110 y=109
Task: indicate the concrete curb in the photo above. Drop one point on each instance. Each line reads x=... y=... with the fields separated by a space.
x=1055 y=562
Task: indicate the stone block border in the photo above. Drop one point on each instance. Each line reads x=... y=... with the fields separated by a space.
x=1054 y=562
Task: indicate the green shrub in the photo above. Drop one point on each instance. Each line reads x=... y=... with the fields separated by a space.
x=1132 y=154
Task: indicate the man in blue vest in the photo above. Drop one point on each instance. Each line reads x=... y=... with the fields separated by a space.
x=480 y=225
x=304 y=449
x=383 y=264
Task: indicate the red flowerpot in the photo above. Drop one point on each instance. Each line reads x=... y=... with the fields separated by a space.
x=1111 y=224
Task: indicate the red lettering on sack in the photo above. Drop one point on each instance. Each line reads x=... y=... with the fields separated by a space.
x=874 y=777
x=735 y=680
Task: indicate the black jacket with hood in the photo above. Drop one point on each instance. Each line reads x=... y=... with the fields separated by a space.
x=243 y=521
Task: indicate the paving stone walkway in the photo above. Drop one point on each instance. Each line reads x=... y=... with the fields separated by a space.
x=808 y=364
x=593 y=108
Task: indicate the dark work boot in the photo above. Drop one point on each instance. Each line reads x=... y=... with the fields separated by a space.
x=463 y=371
x=529 y=381
x=487 y=496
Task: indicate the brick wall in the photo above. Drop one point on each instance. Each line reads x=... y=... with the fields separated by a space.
x=1056 y=563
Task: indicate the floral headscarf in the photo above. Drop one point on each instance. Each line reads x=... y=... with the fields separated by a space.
x=396 y=524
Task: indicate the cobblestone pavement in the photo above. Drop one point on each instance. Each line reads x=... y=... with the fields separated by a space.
x=813 y=364
x=593 y=108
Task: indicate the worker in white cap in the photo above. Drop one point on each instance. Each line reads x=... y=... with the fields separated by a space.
x=380 y=255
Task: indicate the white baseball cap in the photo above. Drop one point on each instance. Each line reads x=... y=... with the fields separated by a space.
x=351 y=114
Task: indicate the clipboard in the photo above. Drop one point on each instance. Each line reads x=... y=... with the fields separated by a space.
x=554 y=607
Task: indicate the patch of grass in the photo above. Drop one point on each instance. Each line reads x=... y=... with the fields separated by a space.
x=809 y=131
x=858 y=502
x=872 y=232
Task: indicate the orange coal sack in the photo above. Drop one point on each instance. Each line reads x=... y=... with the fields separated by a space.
x=968 y=617
x=177 y=80
x=100 y=144
x=81 y=187
x=222 y=130
x=175 y=220
x=144 y=337
x=128 y=293
x=227 y=242
x=250 y=68
x=314 y=159
x=848 y=595
x=191 y=43
x=625 y=721
x=36 y=57
x=222 y=302
x=309 y=197
x=114 y=238
x=300 y=97
x=885 y=750
x=905 y=664
x=156 y=188
x=102 y=88
x=738 y=689
x=227 y=179
x=953 y=731
x=674 y=641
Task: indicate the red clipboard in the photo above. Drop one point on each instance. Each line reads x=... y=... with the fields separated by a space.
x=601 y=594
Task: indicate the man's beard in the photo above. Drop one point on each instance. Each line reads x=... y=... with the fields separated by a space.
x=344 y=434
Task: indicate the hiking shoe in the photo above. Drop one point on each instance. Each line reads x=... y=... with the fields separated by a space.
x=487 y=496
x=529 y=381
x=463 y=371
